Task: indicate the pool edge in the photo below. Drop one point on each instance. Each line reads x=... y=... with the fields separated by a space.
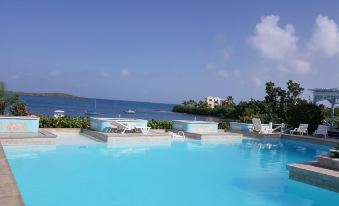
x=9 y=192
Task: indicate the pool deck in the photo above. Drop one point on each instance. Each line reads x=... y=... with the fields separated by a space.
x=304 y=138
x=9 y=192
x=42 y=137
x=155 y=135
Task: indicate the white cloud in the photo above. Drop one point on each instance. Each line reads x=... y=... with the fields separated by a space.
x=325 y=38
x=279 y=45
x=272 y=41
x=124 y=73
x=302 y=66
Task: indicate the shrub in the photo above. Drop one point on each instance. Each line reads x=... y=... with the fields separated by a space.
x=305 y=112
x=64 y=122
x=19 y=109
x=161 y=124
x=223 y=125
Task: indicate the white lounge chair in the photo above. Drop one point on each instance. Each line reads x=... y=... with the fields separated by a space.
x=322 y=130
x=179 y=134
x=123 y=127
x=260 y=128
x=144 y=130
x=302 y=129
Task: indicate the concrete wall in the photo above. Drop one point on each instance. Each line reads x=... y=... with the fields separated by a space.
x=19 y=125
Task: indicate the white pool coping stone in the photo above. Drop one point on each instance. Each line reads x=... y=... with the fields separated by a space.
x=9 y=192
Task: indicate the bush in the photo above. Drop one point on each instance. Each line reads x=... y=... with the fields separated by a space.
x=161 y=124
x=19 y=109
x=64 y=122
x=305 y=112
x=223 y=125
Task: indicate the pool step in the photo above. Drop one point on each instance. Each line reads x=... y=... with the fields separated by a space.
x=312 y=173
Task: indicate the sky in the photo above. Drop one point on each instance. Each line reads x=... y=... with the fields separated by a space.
x=168 y=51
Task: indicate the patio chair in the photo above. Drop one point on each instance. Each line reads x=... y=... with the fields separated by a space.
x=144 y=130
x=122 y=127
x=322 y=130
x=302 y=129
x=179 y=134
x=260 y=128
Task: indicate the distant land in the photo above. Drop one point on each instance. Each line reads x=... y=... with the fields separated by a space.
x=49 y=94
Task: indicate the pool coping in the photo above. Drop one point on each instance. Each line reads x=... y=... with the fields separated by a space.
x=313 y=174
x=311 y=139
x=9 y=192
x=42 y=137
x=303 y=138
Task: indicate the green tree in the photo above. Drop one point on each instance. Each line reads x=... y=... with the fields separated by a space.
x=6 y=100
x=294 y=92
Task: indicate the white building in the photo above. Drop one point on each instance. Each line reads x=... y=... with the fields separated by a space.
x=215 y=101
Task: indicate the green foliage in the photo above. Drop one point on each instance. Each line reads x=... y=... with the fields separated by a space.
x=19 y=109
x=154 y=124
x=278 y=106
x=305 y=112
x=223 y=125
x=337 y=146
x=163 y=124
x=64 y=122
x=6 y=100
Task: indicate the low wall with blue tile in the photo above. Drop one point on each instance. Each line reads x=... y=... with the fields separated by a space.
x=19 y=125
x=195 y=126
x=243 y=127
x=105 y=124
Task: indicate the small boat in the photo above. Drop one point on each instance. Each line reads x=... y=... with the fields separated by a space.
x=94 y=111
x=59 y=113
x=130 y=111
x=91 y=112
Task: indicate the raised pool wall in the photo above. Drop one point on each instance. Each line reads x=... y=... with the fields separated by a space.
x=19 y=124
x=104 y=124
x=242 y=127
x=195 y=126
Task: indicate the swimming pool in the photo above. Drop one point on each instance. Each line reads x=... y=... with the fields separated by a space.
x=244 y=172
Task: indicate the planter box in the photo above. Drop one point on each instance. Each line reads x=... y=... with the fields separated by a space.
x=243 y=127
x=19 y=124
x=328 y=162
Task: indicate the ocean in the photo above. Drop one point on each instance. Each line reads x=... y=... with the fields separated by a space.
x=106 y=108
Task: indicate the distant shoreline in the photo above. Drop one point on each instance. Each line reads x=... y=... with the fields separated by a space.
x=47 y=94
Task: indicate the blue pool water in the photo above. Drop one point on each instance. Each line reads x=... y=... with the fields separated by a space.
x=236 y=172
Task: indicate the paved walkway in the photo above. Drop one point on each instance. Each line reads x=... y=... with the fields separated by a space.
x=74 y=138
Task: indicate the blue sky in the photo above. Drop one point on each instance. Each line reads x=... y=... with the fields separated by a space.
x=167 y=51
